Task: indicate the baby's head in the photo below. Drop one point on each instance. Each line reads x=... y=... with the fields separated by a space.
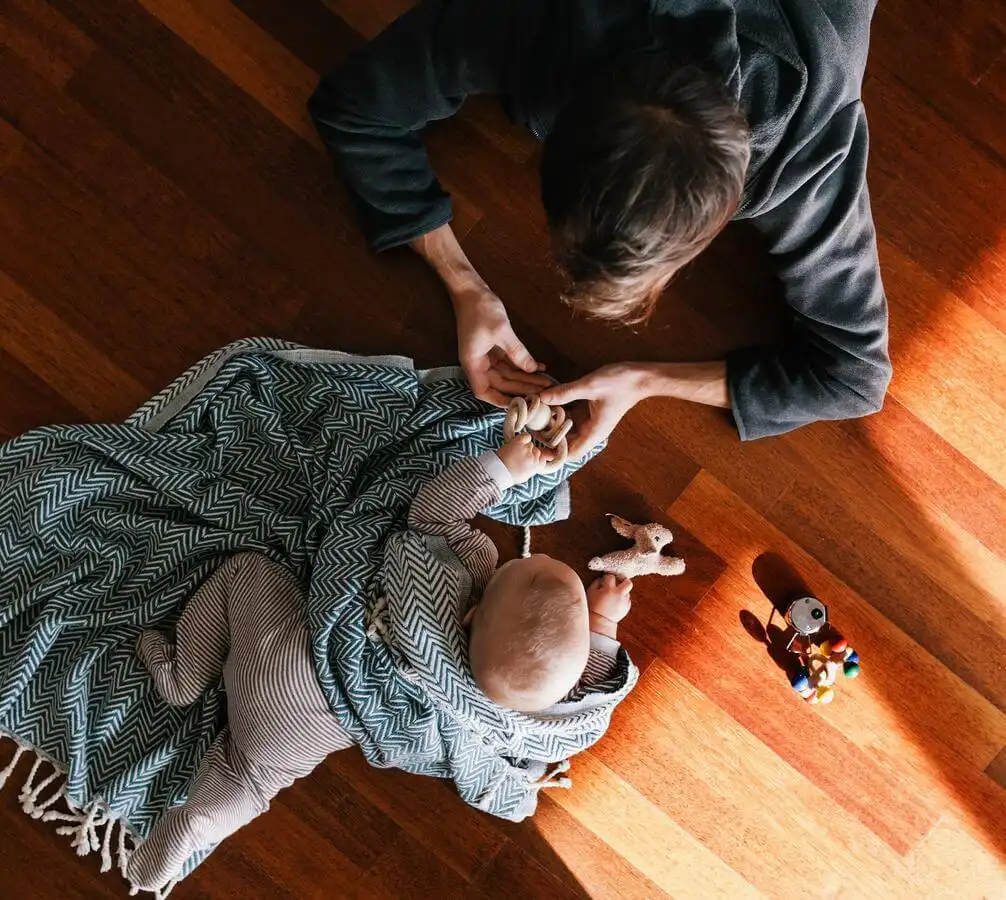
x=529 y=637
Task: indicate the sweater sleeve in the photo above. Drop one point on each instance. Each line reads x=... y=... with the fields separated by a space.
x=371 y=111
x=834 y=363
x=445 y=505
x=605 y=670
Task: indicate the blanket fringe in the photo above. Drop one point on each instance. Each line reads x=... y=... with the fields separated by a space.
x=83 y=824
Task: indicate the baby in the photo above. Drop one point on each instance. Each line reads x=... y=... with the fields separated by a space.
x=537 y=642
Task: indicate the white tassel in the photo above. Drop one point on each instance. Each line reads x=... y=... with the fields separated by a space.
x=5 y=773
x=57 y=815
x=526 y=549
x=84 y=837
x=106 y=846
x=28 y=785
x=554 y=779
x=29 y=803
x=377 y=628
x=123 y=852
x=83 y=824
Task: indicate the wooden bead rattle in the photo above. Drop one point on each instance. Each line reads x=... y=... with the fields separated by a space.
x=814 y=679
x=546 y=424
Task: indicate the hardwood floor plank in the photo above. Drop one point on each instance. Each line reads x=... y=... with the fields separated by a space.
x=39 y=196
x=577 y=856
x=29 y=403
x=50 y=44
x=73 y=367
x=996 y=770
x=513 y=872
x=920 y=60
x=309 y=29
x=369 y=18
x=949 y=362
x=939 y=735
x=427 y=809
x=889 y=571
x=646 y=836
x=741 y=800
x=261 y=66
x=946 y=211
x=262 y=296
x=952 y=864
x=936 y=474
x=970 y=726
x=969 y=39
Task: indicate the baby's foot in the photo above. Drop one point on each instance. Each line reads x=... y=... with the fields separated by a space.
x=160 y=858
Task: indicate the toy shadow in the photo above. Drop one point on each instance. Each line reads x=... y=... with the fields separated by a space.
x=781 y=584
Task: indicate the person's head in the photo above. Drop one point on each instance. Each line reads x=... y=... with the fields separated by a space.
x=529 y=637
x=643 y=167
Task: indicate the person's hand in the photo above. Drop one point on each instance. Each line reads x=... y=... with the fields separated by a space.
x=610 y=597
x=610 y=393
x=496 y=363
x=523 y=458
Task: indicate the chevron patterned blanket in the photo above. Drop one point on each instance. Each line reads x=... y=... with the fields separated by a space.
x=308 y=456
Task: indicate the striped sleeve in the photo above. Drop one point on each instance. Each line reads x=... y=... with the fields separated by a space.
x=604 y=672
x=445 y=505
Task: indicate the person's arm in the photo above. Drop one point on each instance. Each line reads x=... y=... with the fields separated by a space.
x=371 y=110
x=612 y=391
x=820 y=232
x=496 y=362
x=371 y=113
x=834 y=363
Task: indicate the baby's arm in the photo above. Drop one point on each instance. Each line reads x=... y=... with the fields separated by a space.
x=445 y=505
x=608 y=599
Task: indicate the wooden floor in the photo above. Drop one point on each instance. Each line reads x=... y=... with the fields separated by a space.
x=162 y=193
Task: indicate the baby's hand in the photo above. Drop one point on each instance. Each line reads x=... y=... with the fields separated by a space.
x=523 y=458
x=610 y=597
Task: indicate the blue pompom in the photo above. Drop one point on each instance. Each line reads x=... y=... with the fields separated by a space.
x=800 y=680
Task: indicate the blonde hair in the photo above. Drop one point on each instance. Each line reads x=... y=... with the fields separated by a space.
x=530 y=644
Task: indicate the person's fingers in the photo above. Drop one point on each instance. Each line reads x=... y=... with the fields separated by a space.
x=518 y=386
x=625 y=586
x=518 y=354
x=583 y=439
x=503 y=372
x=559 y=394
x=524 y=438
x=491 y=395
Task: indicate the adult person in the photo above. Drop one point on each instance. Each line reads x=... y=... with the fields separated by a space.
x=662 y=120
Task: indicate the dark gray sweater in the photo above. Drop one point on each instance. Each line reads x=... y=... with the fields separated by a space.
x=796 y=67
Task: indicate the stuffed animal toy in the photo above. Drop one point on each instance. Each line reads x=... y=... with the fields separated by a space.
x=546 y=424
x=644 y=557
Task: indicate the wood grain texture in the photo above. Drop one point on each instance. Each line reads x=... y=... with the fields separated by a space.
x=162 y=192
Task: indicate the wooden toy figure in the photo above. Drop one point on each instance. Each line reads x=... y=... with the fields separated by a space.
x=814 y=679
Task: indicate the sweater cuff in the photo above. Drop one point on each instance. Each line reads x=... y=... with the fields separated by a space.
x=496 y=470
x=601 y=643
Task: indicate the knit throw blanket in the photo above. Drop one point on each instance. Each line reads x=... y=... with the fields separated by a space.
x=310 y=457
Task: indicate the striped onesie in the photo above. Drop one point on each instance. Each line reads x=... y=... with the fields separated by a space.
x=246 y=624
